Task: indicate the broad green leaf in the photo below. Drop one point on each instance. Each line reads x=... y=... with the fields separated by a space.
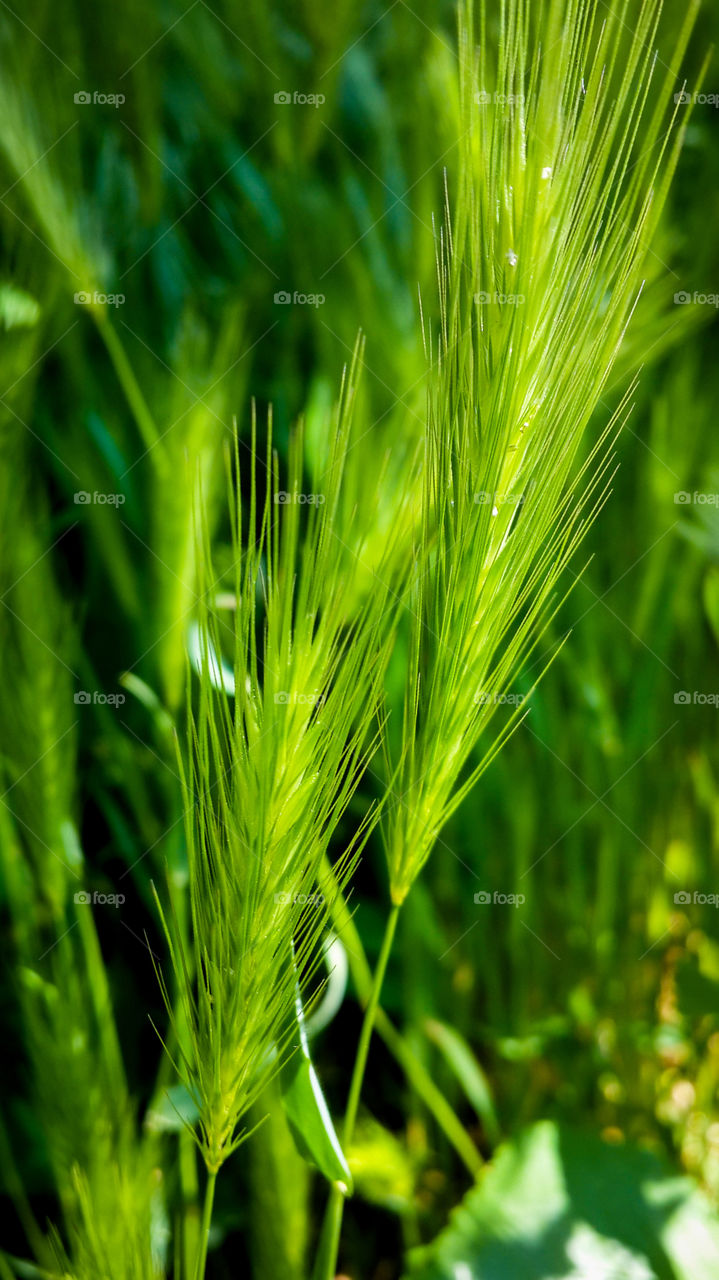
x=562 y=1205
x=307 y=1112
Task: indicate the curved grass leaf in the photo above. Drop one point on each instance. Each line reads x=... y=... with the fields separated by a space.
x=307 y=1112
x=460 y=1058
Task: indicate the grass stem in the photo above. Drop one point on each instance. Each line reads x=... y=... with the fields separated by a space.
x=205 y=1227
x=329 y=1243
x=131 y=388
x=417 y=1075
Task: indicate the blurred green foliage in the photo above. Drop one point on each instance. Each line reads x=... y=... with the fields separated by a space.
x=595 y=1002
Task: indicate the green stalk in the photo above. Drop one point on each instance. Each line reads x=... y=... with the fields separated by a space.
x=190 y=1191
x=16 y=1191
x=368 y=1024
x=279 y=1183
x=329 y=1243
x=416 y=1074
x=131 y=388
x=431 y=1096
x=205 y=1227
x=101 y=998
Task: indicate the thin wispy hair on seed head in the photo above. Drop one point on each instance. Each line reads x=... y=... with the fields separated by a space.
x=567 y=154
x=269 y=774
